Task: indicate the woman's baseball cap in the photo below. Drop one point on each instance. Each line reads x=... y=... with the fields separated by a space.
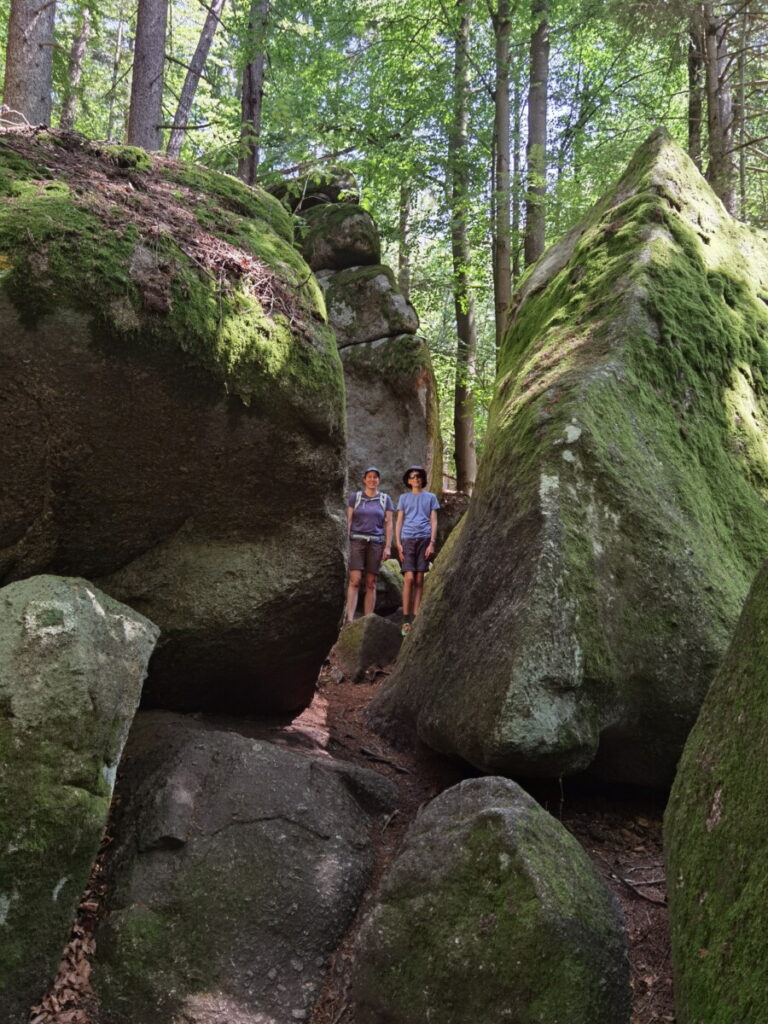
x=372 y=469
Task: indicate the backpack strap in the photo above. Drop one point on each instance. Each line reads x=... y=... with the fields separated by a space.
x=358 y=499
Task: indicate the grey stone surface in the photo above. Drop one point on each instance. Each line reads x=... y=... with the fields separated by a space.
x=491 y=912
x=364 y=303
x=72 y=661
x=340 y=235
x=237 y=868
x=368 y=642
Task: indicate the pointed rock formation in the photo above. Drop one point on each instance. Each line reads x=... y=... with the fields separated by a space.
x=577 y=615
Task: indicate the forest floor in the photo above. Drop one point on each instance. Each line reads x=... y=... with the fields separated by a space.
x=619 y=828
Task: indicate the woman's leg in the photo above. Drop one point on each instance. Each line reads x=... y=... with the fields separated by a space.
x=369 y=601
x=355 y=576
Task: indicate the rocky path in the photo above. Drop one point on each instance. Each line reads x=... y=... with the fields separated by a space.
x=619 y=829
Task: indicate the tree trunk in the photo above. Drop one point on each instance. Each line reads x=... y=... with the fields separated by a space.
x=502 y=280
x=75 y=69
x=537 y=134
x=695 y=105
x=115 y=74
x=517 y=172
x=721 y=172
x=192 y=79
x=253 y=91
x=466 y=348
x=29 y=61
x=404 y=242
x=146 y=108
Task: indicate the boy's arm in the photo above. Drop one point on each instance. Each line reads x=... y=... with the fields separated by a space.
x=432 y=534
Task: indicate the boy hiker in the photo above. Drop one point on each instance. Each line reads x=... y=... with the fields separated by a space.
x=415 y=536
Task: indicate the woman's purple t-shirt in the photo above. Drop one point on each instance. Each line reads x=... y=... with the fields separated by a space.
x=368 y=517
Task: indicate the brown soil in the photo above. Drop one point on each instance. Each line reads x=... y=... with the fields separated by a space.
x=620 y=829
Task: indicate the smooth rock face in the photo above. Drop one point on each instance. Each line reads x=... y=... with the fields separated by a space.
x=237 y=869
x=364 y=303
x=580 y=609
x=72 y=662
x=340 y=235
x=491 y=912
x=368 y=642
x=716 y=838
x=393 y=418
x=165 y=435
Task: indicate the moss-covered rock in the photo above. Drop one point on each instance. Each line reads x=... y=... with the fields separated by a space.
x=72 y=662
x=586 y=599
x=368 y=642
x=316 y=187
x=339 y=235
x=166 y=376
x=365 y=303
x=716 y=838
x=236 y=869
x=392 y=411
x=491 y=912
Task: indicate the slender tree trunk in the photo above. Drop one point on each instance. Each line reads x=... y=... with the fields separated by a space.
x=253 y=92
x=695 y=105
x=404 y=241
x=192 y=79
x=466 y=349
x=75 y=70
x=537 y=134
x=146 y=108
x=740 y=107
x=721 y=173
x=115 y=74
x=517 y=174
x=29 y=61
x=502 y=280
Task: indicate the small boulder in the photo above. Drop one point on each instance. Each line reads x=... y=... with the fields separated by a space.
x=389 y=587
x=72 y=662
x=236 y=870
x=491 y=913
x=340 y=235
x=364 y=303
x=369 y=642
x=317 y=187
x=716 y=838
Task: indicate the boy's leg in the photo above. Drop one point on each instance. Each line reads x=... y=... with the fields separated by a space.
x=418 y=590
x=355 y=576
x=407 y=591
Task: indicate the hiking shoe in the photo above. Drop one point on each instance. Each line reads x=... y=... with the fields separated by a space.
x=405 y=629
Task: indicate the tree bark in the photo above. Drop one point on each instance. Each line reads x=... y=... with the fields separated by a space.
x=721 y=172
x=29 y=61
x=695 y=105
x=115 y=74
x=536 y=150
x=253 y=92
x=517 y=173
x=404 y=242
x=502 y=279
x=146 y=108
x=75 y=69
x=466 y=348
x=192 y=79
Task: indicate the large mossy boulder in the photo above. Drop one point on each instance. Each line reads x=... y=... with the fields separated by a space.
x=716 y=838
x=340 y=235
x=393 y=419
x=236 y=869
x=581 y=608
x=72 y=662
x=167 y=378
x=491 y=912
x=365 y=303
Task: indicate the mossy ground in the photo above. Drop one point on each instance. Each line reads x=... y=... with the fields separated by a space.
x=222 y=284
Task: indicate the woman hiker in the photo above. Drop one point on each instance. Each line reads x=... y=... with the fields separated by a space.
x=369 y=523
x=415 y=536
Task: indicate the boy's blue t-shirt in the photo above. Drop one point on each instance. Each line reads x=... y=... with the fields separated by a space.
x=368 y=517
x=417 y=508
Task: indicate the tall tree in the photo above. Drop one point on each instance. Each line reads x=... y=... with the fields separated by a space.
x=146 y=107
x=721 y=172
x=194 y=71
x=466 y=329
x=29 y=61
x=75 y=69
x=253 y=91
x=535 y=223
x=502 y=257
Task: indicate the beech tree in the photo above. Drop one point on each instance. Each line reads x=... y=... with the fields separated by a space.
x=29 y=61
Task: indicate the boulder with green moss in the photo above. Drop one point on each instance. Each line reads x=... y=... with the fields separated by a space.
x=365 y=303
x=236 y=869
x=172 y=413
x=491 y=912
x=582 y=606
x=72 y=662
x=340 y=235
x=369 y=642
x=315 y=187
x=392 y=411
x=716 y=838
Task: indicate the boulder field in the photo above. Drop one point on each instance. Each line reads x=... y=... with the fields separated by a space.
x=578 y=613
x=172 y=414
